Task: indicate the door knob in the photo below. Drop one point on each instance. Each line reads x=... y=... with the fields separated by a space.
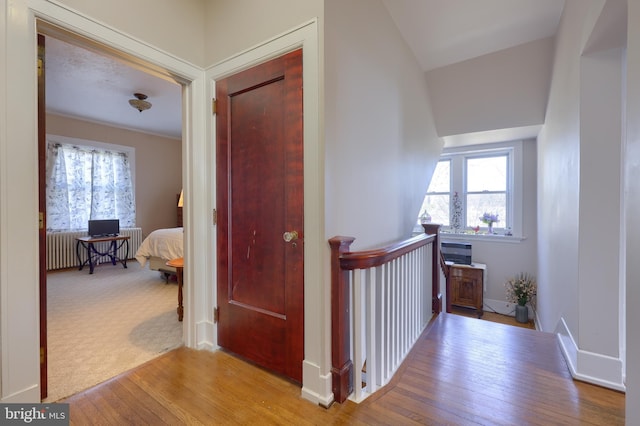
x=290 y=236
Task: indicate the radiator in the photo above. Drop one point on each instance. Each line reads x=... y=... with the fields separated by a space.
x=61 y=248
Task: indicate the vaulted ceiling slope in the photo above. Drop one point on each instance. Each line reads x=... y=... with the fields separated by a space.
x=487 y=63
x=444 y=32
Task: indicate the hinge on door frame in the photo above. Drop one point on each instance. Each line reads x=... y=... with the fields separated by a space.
x=41 y=220
x=41 y=355
x=214 y=106
x=216 y=315
x=215 y=217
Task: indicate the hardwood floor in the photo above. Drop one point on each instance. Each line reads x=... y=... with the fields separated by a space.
x=461 y=372
x=493 y=317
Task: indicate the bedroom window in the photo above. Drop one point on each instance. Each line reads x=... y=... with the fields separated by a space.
x=470 y=181
x=88 y=182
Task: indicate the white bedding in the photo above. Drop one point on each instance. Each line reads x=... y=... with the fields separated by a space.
x=163 y=243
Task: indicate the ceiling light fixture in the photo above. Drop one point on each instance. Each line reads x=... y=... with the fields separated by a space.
x=140 y=104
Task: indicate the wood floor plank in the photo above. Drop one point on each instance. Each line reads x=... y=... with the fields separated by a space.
x=490 y=408
x=83 y=412
x=180 y=391
x=147 y=401
x=462 y=371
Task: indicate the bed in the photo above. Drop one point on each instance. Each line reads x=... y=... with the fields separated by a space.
x=159 y=247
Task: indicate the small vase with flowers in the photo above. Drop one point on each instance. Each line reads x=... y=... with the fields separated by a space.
x=489 y=219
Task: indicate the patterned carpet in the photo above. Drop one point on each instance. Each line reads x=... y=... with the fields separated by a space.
x=103 y=324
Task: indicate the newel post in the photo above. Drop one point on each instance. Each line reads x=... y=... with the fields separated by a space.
x=436 y=295
x=341 y=364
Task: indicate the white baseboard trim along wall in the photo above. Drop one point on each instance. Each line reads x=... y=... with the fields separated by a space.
x=505 y=308
x=601 y=370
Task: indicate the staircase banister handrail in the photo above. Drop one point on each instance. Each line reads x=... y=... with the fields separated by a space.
x=375 y=257
x=342 y=262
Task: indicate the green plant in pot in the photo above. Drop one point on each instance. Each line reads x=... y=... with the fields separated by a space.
x=520 y=290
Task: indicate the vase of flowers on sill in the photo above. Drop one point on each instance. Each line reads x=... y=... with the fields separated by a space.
x=520 y=290
x=489 y=219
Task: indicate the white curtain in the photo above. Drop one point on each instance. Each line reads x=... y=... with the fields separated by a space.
x=87 y=183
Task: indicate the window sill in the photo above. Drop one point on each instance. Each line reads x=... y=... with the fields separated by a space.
x=498 y=238
x=483 y=237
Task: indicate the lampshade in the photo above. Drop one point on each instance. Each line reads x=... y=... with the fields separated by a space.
x=181 y=200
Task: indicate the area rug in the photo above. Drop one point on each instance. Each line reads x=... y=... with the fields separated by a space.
x=105 y=323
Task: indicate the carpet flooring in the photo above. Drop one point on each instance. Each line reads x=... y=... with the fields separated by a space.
x=104 y=324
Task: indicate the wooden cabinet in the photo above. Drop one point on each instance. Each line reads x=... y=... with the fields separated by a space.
x=465 y=286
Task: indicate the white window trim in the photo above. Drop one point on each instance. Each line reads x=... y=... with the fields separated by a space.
x=515 y=185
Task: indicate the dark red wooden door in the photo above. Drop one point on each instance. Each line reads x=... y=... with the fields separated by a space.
x=260 y=214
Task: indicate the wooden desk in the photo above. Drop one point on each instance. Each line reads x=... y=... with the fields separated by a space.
x=179 y=265
x=93 y=254
x=465 y=286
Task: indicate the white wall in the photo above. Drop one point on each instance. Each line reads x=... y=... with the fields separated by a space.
x=501 y=90
x=600 y=201
x=632 y=192
x=558 y=180
x=234 y=26
x=381 y=143
x=178 y=27
x=574 y=299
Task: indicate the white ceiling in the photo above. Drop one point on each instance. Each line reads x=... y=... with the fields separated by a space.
x=95 y=87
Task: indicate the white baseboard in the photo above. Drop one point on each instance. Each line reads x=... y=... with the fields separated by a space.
x=205 y=336
x=27 y=395
x=316 y=387
x=503 y=307
x=537 y=322
x=601 y=370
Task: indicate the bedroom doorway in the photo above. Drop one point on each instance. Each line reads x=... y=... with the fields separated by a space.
x=48 y=32
x=260 y=240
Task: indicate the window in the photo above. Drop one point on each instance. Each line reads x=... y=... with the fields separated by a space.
x=87 y=182
x=471 y=181
x=486 y=184
x=438 y=197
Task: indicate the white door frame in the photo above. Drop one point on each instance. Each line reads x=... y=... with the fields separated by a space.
x=316 y=368
x=19 y=286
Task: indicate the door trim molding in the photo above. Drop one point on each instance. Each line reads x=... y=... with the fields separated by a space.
x=316 y=377
x=19 y=304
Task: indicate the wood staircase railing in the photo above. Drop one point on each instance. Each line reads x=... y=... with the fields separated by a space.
x=343 y=265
